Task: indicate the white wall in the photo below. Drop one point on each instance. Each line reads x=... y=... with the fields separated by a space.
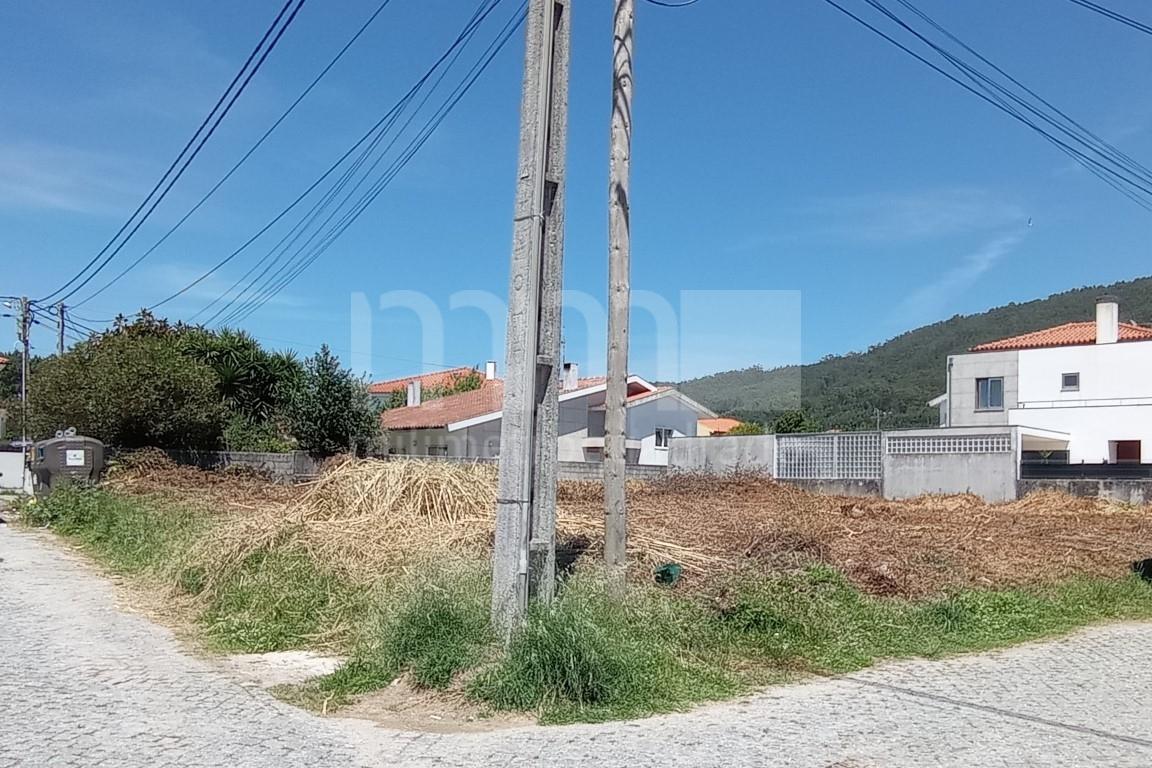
x=12 y=474
x=1114 y=401
x=415 y=442
x=1107 y=372
x=667 y=412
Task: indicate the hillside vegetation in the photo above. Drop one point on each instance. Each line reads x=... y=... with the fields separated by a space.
x=901 y=375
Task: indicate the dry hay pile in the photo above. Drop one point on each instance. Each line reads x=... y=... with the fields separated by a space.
x=369 y=517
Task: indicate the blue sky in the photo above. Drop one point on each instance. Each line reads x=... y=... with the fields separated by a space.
x=778 y=148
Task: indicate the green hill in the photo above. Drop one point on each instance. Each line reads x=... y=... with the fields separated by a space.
x=900 y=375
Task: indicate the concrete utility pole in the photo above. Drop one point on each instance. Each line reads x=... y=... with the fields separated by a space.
x=619 y=295
x=22 y=332
x=60 y=328
x=524 y=557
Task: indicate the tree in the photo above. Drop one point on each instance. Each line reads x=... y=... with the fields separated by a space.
x=747 y=428
x=794 y=422
x=130 y=390
x=331 y=411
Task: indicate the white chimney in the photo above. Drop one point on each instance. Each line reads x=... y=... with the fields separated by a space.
x=490 y=370
x=414 y=392
x=570 y=379
x=1107 y=320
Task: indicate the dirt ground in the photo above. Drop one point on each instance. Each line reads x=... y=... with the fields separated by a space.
x=712 y=525
x=909 y=548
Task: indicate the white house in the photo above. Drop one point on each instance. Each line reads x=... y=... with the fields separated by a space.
x=468 y=424
x=1083 y=390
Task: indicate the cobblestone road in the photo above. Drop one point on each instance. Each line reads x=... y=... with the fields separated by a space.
x=84 y=684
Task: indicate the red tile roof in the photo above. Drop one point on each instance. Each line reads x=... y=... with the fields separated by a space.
x=488 y=399
x=720 y=425
x=1067 y=335
x=446 y=410
x=427 y=380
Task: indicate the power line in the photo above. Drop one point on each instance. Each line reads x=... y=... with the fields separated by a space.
x=216 y=116
x=300 y=261
x=293 y=234
x=487 y=6
x=390 y=174
x=1114 y=151
x=291 y=107
x=1114 y=15
x=1128 y=186
x=1135 y=186
x=1000 y=96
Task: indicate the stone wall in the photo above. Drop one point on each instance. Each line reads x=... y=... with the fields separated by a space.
x=280 y=467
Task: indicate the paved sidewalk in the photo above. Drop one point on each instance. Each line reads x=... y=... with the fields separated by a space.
x=84 y=684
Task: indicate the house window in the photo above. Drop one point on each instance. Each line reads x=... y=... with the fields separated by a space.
x=990 y=394
x=663 y=437
x=437 y=450
x=1070 y=382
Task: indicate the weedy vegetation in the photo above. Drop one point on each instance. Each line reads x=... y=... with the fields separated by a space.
x=385 y=563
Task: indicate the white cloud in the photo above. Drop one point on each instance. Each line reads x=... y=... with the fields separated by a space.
x=917 y=216
x=173 y=277
x=926 y=303
x=40 y=176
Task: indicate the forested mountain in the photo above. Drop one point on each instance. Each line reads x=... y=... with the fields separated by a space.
x=900 y=376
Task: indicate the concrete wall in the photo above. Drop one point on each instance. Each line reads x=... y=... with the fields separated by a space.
x=567 y=470
x=992 y=476
x=580 y=470
x=962 y=373
x=720 y=455
x=1125 y=491
x=870 y=488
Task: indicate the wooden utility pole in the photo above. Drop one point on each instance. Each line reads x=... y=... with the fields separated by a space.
x=524 y=555
x=60 y=328
x=619 y=296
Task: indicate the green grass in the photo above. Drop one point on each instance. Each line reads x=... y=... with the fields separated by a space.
x=280 y=600
x=127 y=535
x=431 y=625
x=274 y=601
x=591 y=655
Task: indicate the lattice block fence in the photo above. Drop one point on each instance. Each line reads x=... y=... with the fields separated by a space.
x=946 y=444
x=831 y=456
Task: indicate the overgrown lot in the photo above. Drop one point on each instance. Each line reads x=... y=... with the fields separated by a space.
x=385 y=562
